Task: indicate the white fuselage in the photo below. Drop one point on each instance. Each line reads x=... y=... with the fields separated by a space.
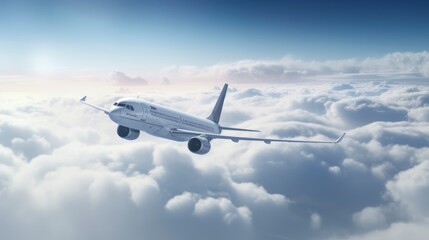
x=157 y=120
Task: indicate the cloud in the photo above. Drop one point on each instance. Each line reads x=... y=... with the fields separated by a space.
x=184 y=202
x=397 y=65
x=64 y=172
x=165 y=81
x=354 y=165
x=121 y=79
x=370 y=218
x=32 y=146
x=223 y=207
x=342 y=87
x=316 y=221
x=397 y=231
x=410 y=188
x=362 y=111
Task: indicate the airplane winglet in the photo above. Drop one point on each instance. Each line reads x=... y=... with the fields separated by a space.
x=340 y=138
x=83 y=100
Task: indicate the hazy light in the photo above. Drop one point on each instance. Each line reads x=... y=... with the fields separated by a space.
x=44 y=64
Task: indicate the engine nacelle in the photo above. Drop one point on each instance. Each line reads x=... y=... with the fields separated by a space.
x=128 y=133
x=199 y=145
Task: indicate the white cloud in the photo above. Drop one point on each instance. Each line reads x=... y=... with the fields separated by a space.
x=33 y=146
x=361 y=111
x=382 y=170
x=354 y=165
x=224 y=207
x=121 y=79
x=398 y=65
x=420 y=114
x=335 y=169
x=370 y=218
x=411 y=188
x=184 y=202
x=315 y=220
x=64 y=172
x=253 y=194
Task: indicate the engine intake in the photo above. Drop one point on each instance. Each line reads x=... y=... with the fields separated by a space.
x=128 y=133
x=199 y=145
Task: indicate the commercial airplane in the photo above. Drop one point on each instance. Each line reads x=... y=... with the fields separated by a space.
x=134 y=115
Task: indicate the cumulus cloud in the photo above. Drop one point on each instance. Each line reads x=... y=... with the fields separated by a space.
x=369 y=218
x=398 y=65
x=316 y=221
x=411 y=189
x=64 y=173
x=121 y=79
x=223 y=207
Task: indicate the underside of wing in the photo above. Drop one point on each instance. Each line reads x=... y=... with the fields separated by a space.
x=210 y=136
x=238 y=129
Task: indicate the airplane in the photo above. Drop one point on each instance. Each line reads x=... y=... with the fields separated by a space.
x=134 y=115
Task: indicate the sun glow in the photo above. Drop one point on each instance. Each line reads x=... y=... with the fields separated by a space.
x=44 y=65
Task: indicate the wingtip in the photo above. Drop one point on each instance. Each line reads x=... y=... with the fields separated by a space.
x=340 y=138
x=83 y=99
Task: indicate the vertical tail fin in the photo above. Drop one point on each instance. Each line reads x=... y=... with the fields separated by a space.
x=217 y=110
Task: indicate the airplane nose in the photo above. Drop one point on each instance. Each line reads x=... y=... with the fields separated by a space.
x=114 y=114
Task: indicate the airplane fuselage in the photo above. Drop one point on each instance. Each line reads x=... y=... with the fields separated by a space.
x=158 y=120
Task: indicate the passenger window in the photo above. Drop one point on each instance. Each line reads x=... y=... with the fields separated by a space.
x=121 y=104
x=131 y=108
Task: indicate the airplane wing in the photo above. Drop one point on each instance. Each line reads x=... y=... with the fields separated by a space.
x=238 y=129
x=83 y=100
x=182 y=132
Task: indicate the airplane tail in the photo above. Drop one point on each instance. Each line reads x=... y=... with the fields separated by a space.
x=217 y=110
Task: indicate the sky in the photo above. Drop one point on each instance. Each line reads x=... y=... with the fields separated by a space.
x=142 y=37
x=296 y=70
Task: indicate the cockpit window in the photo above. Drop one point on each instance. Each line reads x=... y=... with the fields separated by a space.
x=129 y=107
x=124 y=105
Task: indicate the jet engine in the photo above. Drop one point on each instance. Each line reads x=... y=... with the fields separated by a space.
x=199 y=145
x=128 y=133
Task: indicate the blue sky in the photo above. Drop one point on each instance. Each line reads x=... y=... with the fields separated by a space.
x=150 y=35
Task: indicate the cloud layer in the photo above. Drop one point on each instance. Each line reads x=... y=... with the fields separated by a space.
x=398 y=65
x=65 y=174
